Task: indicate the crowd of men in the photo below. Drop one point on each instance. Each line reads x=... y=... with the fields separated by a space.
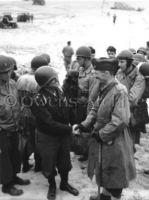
x=98 y=113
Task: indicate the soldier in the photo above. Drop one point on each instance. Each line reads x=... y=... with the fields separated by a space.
x=111 y=153
x=142 y=51
x=67 y=53
x=129 y=75
x=86 y=82
x=53 y=131
x=9 y=129
x=14 y=74
x=27 y=87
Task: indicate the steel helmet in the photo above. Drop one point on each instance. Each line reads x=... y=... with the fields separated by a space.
x=84 y=52
x=138 y=58
x=5 y=65
x=12 y=62
x=44 y=75
x=133 y=50
x=46 y=56
x=142 y=49
x=125 y=54
x=144 y=69
x=38 y=61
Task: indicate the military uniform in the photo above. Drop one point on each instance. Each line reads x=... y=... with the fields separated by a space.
x=9 y=127
x=85 y=84
x=135 y=84
x=53 y=132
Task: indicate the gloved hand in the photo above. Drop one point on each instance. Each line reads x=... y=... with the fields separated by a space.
x=95 y=134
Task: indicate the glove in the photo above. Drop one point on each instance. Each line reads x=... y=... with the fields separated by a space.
x=95 y=134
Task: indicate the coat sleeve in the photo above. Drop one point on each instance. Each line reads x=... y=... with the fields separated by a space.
x=137 y=90
x=45 y=117
x=91 y=117
x=119 y=119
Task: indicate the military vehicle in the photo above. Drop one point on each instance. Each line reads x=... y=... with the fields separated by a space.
x=39 y=2
x=7 y=22
x=23 y=17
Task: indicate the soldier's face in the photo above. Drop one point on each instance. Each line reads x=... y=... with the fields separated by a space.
x=81 y=61
x=100 y=75
x=122 y=64
x=5 y=76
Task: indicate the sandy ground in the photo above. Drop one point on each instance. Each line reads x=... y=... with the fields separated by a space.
x=83 y=23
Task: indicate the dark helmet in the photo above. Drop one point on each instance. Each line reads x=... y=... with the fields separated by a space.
x=138 y=58
x=125 y=54
x=5 y=65
x=46 y=56
x=133 y=51
x=93 y=51
x=84 y=52
x=12 y=62
x=144 y=69
x=38 y=61
x=142 y=50
x=45 y=74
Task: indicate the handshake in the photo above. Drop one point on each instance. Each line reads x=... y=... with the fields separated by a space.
x=78 y=128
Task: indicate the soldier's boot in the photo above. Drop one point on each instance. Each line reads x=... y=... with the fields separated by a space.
x=51 y=195
x=65 y=186
x=10 y=189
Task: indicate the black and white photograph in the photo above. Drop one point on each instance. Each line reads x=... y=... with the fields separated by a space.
x=74 y=108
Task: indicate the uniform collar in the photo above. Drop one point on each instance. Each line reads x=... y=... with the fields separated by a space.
x=83 y=72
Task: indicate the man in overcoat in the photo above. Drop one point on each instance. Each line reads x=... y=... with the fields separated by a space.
x=111 y=150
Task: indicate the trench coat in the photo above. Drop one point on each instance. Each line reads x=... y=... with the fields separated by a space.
x=114 y=166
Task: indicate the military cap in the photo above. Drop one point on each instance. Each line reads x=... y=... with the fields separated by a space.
x=106 y=64
x=5 y=65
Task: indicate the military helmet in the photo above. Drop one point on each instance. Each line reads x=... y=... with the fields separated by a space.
x=125 y=54
x=133 y=51
x=12 y=62
x=38 y=61
x=44 y=75
x=46 y=56
x=142 y=49
x=83 y=51
x=138 y=58
x=144 y=69
x=5 y=65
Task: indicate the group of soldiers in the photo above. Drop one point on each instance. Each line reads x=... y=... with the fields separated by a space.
x=101 y=103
